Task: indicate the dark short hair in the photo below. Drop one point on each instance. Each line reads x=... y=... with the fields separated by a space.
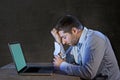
x=66 y=23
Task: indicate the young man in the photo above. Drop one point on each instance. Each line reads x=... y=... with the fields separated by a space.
x=90 y=55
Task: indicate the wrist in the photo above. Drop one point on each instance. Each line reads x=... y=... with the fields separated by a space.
x=58 y=41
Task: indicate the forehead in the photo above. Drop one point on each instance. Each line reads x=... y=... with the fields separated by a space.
x=62 y=33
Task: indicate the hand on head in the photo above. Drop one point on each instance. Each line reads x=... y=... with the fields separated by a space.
x=56 y=36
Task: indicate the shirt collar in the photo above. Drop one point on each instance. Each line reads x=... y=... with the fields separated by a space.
x=83 y=35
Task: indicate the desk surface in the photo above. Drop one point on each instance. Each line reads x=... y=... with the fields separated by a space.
x=8 y=72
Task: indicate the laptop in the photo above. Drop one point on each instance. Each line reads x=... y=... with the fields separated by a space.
x=21 y=65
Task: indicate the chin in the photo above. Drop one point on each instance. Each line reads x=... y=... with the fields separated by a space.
x=71 y=44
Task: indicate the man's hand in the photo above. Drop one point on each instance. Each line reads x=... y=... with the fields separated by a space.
x=57 y=61
x=55 y=34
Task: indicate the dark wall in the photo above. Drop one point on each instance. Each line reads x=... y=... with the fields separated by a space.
x=30 y=22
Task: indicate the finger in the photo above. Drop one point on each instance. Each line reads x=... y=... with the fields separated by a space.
x=53 y=63
x=57 y=56
x=54 y=30
x=54 y=59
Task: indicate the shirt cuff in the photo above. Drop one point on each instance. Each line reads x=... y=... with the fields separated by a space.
x=63 y=66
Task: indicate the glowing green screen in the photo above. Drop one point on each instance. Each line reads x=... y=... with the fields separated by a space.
x=18 y=56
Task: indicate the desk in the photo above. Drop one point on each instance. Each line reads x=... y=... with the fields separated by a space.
x=8 y=72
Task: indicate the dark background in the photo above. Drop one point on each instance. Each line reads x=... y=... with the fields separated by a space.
x=30 y=22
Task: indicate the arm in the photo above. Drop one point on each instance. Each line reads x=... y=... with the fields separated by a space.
x=94 y=52
x=59 y=49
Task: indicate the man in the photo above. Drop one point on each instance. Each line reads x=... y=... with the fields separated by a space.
x=90 y=55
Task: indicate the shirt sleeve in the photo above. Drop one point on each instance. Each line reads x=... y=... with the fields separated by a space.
x=59 y=50
x=93 y=51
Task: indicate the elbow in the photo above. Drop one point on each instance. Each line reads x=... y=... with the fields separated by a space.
x=89 y=75
x=85 y=74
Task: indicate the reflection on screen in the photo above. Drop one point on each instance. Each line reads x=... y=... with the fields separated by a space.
x=18 y=56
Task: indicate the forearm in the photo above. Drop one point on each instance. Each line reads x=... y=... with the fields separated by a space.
x=76 y=70
x=59 y=50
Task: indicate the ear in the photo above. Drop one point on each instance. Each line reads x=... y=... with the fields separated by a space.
x=74 y=30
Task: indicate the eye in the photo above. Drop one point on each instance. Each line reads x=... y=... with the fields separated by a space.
x=64 y=37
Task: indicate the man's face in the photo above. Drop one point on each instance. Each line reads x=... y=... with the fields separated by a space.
x=68 y=38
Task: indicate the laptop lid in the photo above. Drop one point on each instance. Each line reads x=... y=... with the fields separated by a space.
x=17 y=54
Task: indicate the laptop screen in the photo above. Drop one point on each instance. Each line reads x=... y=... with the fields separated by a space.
x=17 y=54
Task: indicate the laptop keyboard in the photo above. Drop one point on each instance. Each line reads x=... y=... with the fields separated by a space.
x=39 y=69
